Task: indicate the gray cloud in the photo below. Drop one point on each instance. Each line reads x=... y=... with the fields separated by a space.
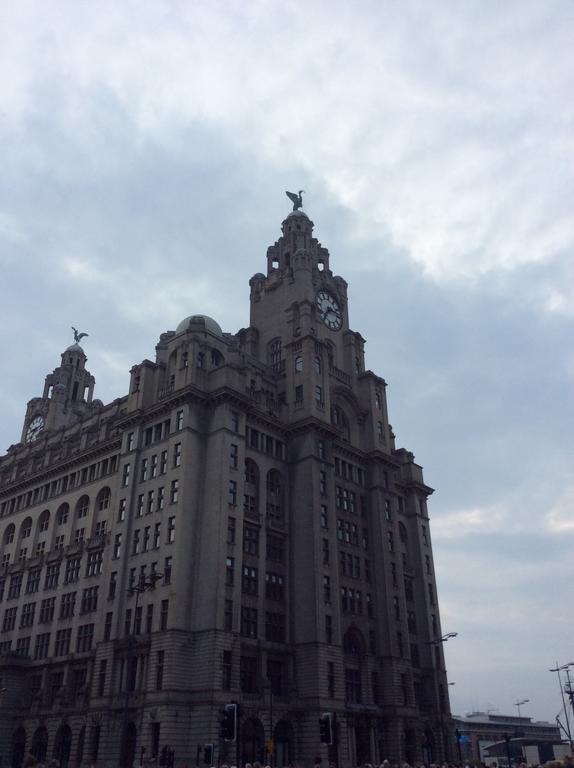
x=146 y=151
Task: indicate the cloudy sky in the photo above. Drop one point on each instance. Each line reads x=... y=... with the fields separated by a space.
x=146 y=147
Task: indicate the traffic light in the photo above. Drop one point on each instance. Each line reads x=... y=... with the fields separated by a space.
x=208 y=754
x=229 y=722
x=326 y=728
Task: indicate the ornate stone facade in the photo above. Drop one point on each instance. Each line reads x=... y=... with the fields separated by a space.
x=240 y=527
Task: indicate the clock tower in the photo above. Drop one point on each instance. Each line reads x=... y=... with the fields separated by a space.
x=67 y=396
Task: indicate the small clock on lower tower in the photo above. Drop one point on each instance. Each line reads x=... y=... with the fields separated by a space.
x=35 y=426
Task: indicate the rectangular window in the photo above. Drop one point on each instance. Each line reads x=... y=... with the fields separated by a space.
x=126 y=476
x=231 y=530
x=9 y=619
x=234 y=421
x=275 y=548
x=328 y=629
x=140 y=505
x=322 y=482
x=232 y=494
x=177 y=455
x=179 y=421
x=326 y=589
x=170 y=530
x=249 y=581
x=326 y=552
x=233 y=456
x=274 y=586
x=248 y=621
x=102 y=677
x=324 y=516
x=146 y=539
x=67 y=605
x=84 y=638
x=94 y=564
x=117 y=546
x=112 y=585
x=353 y=693
x=228 y=616
x=250 y=540
x=122 y=510
x=108 y=626
x=33 y=581
x=174 y=491
x=42 y=646
x=62 y=645
x=52 y=576
x=27 y=616
x=163 y=614
x=275 y=627
x=229 y=571
x=143 y=471
x=163 y=463
x=149 y=619
x=89 y=600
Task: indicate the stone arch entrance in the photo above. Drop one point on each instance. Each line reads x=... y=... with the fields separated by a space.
x=128 y=746
x=62 y=745
x=284 y=740
x=39 y=746
x=18 y=747
x=253 y=741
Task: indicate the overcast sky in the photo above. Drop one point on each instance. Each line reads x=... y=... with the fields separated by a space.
x=146 y=147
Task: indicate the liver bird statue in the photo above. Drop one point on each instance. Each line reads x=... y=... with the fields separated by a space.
x=78 y=336
x=297 y=200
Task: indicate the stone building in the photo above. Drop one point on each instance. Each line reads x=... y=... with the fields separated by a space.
x=240 y=527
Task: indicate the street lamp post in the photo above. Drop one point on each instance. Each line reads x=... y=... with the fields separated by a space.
x=559 y=669
x=436 y=642
x=518 y=704
x=145 y=584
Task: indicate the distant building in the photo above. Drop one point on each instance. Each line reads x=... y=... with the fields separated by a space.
x=239 y=527
x=479 y=731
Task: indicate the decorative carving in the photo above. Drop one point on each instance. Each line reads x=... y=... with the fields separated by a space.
x=297 y=200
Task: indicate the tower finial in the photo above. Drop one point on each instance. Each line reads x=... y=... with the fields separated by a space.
x=78 y=336
x=297 y=200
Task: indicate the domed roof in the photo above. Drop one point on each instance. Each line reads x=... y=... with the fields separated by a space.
x=199 y=323
x=75 y=348
x=298 y=213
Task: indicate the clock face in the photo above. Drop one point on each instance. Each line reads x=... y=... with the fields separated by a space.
x=329 y=310
x=34 y=428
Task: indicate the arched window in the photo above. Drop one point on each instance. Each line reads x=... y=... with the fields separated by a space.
x=317 y=364
x=82 y=506
x=44 y=520
x=216 y=357
x=62 y=513
x=339 y=419
x=251 y=472
x=103 y=499
x=298 y=364
x=26 y=528
x=9 y=534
